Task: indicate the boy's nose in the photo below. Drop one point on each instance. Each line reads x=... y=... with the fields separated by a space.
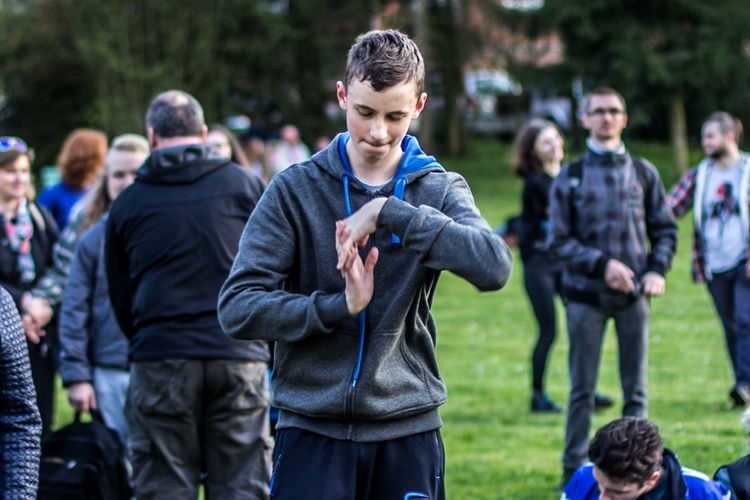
x=378 y=130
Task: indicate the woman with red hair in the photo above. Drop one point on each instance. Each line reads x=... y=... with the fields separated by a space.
x=80 y=160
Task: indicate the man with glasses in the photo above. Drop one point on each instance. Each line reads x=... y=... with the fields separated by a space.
x=616 y=236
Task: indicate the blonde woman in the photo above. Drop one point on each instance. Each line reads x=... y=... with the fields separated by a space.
x=94 y=361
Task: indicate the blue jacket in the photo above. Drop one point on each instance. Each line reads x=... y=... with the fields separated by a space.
x=678 y=483
x=60 y=200
x=89 y=333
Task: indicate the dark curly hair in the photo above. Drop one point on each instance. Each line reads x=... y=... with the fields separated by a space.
x=629 y=449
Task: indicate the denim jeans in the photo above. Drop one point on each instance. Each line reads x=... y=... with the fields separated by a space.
x=731 y=295
x=111 y=389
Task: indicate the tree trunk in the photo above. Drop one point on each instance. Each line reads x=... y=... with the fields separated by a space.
x=678 y=135
x=422 y=35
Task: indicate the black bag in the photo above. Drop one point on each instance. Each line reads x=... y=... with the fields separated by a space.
x=84 y=460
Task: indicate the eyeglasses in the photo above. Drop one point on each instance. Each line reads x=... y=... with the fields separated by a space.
x=8 y=143
x=604 y=111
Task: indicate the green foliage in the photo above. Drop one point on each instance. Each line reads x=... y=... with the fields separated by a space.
x=65 y=63
x=658 y=51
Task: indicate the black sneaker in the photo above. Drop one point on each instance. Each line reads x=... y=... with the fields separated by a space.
x=602 y=401
x=542 y=403
x=740 y=395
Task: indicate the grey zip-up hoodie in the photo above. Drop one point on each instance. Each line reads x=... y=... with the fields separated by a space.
x=372 y=377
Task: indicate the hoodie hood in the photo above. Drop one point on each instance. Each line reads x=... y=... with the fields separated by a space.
x=180 y=164
x=672 y=485
x=414 y=163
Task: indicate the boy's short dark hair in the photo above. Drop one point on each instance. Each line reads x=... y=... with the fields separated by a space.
x=385 y=58
x=175 y=113
x=629 y=449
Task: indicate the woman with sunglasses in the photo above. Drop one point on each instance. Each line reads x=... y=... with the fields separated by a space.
x=27 y=234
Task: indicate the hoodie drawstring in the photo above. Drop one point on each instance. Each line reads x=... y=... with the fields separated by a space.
x=362 y=314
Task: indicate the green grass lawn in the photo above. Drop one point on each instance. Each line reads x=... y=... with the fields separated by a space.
x=497 y=449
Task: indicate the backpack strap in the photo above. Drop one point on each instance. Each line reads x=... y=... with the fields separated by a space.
x=36 y=214
x=575 y=176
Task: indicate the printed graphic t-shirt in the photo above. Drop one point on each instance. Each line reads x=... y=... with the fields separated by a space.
x=722 y=229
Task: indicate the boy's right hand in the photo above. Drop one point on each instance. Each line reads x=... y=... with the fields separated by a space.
x=360 y=283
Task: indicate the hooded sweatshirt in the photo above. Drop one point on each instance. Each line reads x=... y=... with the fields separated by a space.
x=171 y=240
x=374 y=376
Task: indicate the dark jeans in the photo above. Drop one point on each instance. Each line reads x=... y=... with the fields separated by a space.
x=542 y=279
x=308 y=466
x=731 y=294
x=188 y=417
x=586 y=326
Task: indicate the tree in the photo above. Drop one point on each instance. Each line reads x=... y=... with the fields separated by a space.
x=674 y=60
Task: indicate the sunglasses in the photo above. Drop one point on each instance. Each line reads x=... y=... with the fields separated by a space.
x=8 y=143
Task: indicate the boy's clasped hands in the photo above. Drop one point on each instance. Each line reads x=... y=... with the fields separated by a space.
x=351 y=234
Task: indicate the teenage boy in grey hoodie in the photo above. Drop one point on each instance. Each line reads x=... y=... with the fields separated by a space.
x=338 y=265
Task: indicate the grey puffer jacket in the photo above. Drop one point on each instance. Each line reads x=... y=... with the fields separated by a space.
x=89 y=333
x=618 y=212
x=333 y=375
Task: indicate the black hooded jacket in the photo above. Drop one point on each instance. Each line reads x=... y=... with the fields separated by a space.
x=171 y=240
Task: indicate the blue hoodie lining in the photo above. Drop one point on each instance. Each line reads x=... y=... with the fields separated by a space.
x=413 y=160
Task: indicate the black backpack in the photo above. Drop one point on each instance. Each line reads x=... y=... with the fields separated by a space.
x=84 y=460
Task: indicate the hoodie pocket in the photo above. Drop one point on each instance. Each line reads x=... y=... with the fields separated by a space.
x=311 y=376
x=398 y=378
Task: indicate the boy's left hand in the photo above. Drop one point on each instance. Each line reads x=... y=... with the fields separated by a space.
x=354 y=231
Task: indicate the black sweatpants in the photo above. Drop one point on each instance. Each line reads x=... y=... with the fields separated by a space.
x=310 y=466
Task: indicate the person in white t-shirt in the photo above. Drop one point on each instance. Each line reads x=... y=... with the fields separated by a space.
x=717 y=191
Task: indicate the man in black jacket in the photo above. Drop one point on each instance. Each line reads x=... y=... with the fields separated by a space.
x=198 y=400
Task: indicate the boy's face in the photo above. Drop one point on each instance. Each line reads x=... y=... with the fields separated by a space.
x=378 y=121
x=617 y=489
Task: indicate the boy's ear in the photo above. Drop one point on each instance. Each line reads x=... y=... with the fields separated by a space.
x=341 y=94
x=420 y=106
